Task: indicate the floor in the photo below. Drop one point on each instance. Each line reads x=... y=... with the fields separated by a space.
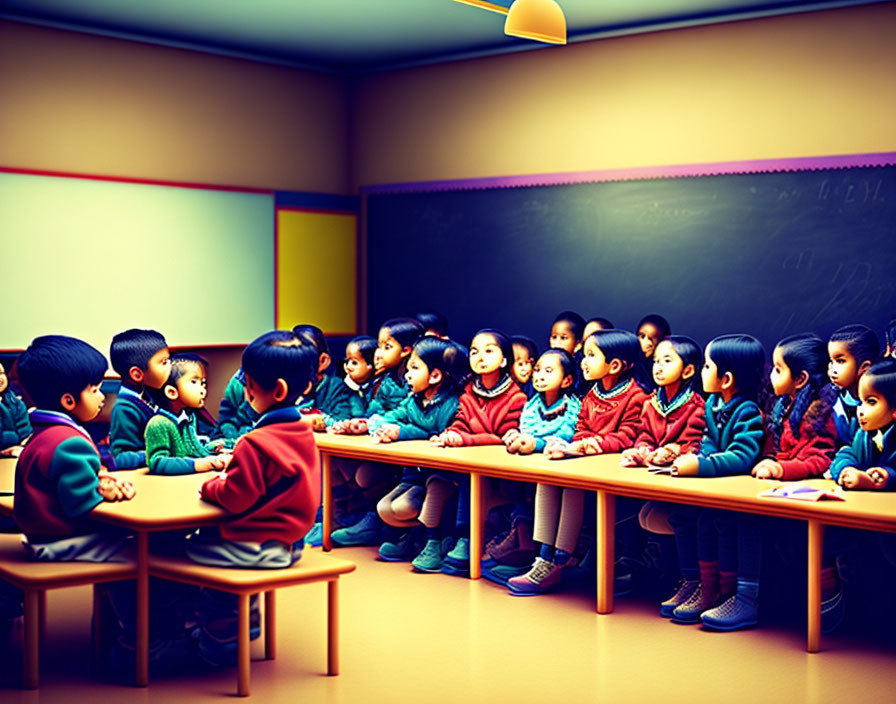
x=434 y=638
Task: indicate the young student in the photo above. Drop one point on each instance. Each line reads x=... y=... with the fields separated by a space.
x=14 y=423
x=329 y=394
x=433 y=322
x=869 y=462
x=890 y=339
x=489 y=407
x=595 y=324
x=59 y=478
x=852 y=349
x=525 y=352
x=142 y=360
x=551 y=414
x=359 y=371
x=720 y=546
x=434 y=374
x=235 y=414
x=566 y=332
x=608 y=421
x=651 y=330
x=272 y=486
x=172 y=446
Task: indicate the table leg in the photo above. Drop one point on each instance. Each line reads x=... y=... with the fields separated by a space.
x=476 y=525
x=270 y=625
x=242 y=646
x=142 y=608
x=606 y=525
x=31 y=654
x=333 y=627
x=326 y=497
x=816 y=539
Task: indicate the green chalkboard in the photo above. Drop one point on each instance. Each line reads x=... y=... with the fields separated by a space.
x=769 y=254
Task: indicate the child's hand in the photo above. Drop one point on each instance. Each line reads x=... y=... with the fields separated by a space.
x=340 y=427
x=631 y=458
x=206 y=464
x=318 y=423
x=665 y=455
x=525 y=444
x=113 y=489
x=853 y=478
x=449 y=438
x=768 y=469
x=509 y=437
x=588 y=446
x=686 y=466
x=387 y=433
x=13 y=451
x=357 y=426
x=879 y=476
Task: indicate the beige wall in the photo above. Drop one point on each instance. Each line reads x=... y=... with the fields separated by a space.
x=79 y=103
x=800 y=85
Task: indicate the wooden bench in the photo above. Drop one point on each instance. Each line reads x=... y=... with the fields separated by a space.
x=35 y=578
x=313 y=567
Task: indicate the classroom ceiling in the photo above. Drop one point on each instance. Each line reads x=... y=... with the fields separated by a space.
x=359 y=36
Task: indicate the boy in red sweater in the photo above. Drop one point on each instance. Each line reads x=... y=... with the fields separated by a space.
x=271 y=487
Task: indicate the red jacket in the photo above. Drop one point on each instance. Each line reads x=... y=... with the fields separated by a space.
x=272 y=485
x=810 y=454
x=682 y=425
x=483 y=421
x=614 y=416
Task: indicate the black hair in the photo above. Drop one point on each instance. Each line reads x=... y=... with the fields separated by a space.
x=55 y=365
x=690 y=353
x=603 y=322
x=890 y=335
x=883 y=380
x=314 y=335
x=503 y=342
x=366 y=346
x=575 y=321
x=860 y=340
x=281 y=354
x=526 y=342
x=619 y=344
x=181 y=363
x=446 y=356
x=659 y=322
x=134 y=348
x=434 y=321
x=567 y=364
x=805 y=352
x=744 y=357
x=406 y=331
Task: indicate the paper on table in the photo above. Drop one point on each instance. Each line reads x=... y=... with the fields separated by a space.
x=802 y=492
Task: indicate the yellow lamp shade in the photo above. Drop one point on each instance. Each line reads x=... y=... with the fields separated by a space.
x=541 y=20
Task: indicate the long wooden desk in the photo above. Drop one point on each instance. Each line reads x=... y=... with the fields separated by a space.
x=602 y=474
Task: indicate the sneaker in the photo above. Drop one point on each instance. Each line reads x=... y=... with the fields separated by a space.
x=690 y=610
x=833 y=609
x=500 y=574
x=457 y=561
x=364 y=532
x=515 y=547
x=542 y=576
x=430 y=558
x=315 y=536
x=401 y=550
x=738 y=611
x=685 y=590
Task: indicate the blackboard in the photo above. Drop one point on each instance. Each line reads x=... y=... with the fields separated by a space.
x=769 y=254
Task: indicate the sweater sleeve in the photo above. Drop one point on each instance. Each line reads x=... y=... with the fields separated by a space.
x=241 y=486
x=126 y=437
x=624 y=436
x=643 y=436
x=335 y=401
x=814 y=454
x=18 y=417
x=235 y=415
x=693 y=431
x=161 y=451
x=75 y=467
x=848 y=456
x=741 y=453
x=508 y=421
x=409 y=431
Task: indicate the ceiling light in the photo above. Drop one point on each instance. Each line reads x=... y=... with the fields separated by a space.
x=541 y=20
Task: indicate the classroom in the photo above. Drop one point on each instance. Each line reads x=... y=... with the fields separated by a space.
x=322 y=146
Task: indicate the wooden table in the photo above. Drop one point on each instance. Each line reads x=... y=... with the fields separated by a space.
x=601 y=473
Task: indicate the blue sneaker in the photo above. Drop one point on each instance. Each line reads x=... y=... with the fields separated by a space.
x=315 y=536
x=364 y=532
x=833 y=609
x=739 y=611
x=500 y=574
x=457 y=561
x=430 y=558
x=401 y=550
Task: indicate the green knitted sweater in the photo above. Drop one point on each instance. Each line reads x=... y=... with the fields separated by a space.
x=172 y=444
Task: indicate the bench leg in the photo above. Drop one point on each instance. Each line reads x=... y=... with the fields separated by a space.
x=31 y=654
x=606 y=527
x=142 y=609
x=326 y=497
x=816 y=538
x=333 y=627
x=476 y=525
x=270 y=625
x=242 y=657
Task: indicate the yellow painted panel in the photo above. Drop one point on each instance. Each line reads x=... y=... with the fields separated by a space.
x=316 y=270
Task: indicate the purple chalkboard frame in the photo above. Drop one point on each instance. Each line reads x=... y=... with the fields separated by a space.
x=811 y=163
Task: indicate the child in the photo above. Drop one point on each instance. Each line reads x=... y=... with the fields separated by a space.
x=551 y=414
x=595 y=324
x=329 y=394
x=890 y=338
x=726 y=555
x=14 y=423
x=608 y=420
x=359 y=373
x=142 y=360
x=870 y=461
x=433 y=322
x=566 y=332
x=853 y=349
x=524 y=353
x=272 y=485
x=172 y=446
x=490 y=406
x=235 y=414
x=435 y=371
x=652 y=330
x=59 y=479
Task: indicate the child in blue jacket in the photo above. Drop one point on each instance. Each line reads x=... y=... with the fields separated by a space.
x=14 y=423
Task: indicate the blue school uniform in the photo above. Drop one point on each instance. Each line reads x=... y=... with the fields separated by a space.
x=14 y=423
x=127 y=428
x=846 y=416
x=867 y=450
x=732 y=439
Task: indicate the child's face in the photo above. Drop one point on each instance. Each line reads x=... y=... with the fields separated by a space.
x=157 y=369
x=843 y=370
x=591 y=327
x=388 y=352
x=548 y=374
x=712 y=384
x=667 y=365
x=356 y=366
x=522 y=364
x=594 y=364
x=562 y=337
x=4 y=380
x=874 y=412
x=648 y=336
x=486 y=356
x=417 y=374
x=781 y=377
x=192 y=387
x=89 y=403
